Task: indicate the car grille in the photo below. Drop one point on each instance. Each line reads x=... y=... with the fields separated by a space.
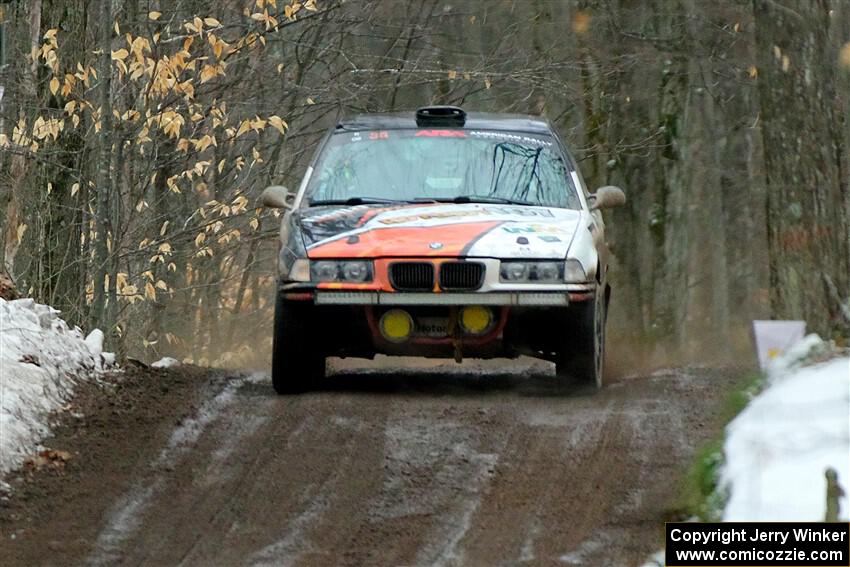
x=461 y=275
x=412 y=276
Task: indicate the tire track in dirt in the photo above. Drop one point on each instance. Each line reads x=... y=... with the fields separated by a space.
x=283 y=478
x=125 y=517
x=543 y=456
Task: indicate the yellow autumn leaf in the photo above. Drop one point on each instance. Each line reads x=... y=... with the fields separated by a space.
x=211 y=22
x=291 y=10
x=75 y=188
x=199 y=240
x=154 y=15
x=161 y=285
x=243 y=127
x=240 y=204
x=258 y=124
x=54 y=85
x=208 y=72
x=120 y=54
x=19 y=233
x=204 y=142
x=278 y=123
x=68 y=84
x=150 y=291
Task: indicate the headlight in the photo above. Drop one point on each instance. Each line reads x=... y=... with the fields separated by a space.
x=532 y=272
x=300 y=270
x=574 y=272
x=514 y=271
x=356 y=271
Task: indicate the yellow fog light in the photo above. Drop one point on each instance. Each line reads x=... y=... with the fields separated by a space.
x=396 y=325
x=476 y=319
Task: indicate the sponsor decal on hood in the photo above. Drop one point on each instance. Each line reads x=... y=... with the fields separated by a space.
x=445 y=230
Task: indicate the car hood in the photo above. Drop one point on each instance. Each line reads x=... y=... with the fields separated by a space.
x=446 y=230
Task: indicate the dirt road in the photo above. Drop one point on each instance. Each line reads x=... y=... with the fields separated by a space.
x=428 y=466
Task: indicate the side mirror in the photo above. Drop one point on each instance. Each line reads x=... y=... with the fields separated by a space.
x=277 y=197
x=607 y=197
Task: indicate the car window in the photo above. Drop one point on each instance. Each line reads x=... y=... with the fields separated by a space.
x=413 y=164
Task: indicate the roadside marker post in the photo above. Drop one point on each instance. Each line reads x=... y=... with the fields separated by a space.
x=773 y=338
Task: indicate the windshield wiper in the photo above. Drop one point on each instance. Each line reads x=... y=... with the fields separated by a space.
x=354 y=201
x=474 y=199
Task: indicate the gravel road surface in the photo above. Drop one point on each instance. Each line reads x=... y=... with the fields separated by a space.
x=482 y=464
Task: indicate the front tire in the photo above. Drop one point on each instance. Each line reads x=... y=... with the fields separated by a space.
x=582 y=355
x=297 y=365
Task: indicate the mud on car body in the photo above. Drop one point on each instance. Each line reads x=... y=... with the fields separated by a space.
x=441 y=234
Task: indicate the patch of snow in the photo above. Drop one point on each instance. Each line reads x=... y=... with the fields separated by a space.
x=587 y=547
x=657 y=560
x=94 y=341
x=778 y=449
x=795 y=356
x=166 y=362
x=41 y=360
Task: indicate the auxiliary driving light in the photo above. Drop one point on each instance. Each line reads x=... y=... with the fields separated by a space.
x=476 y=319
x=396 y=325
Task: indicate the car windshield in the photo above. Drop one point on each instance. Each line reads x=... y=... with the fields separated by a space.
x=451 y=165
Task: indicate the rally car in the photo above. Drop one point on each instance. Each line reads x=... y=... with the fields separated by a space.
x=441 y=233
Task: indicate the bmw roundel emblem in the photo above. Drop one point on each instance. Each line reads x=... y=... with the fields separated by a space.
x=435 y=245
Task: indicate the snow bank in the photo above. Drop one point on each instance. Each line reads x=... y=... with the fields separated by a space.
x=41 y=359
x=779 y=447
x=166 y=362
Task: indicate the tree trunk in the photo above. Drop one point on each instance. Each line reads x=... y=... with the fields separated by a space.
x=103 y=285
x=19 y=165
x=806 y=226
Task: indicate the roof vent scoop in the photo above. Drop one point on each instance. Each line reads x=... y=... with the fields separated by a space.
x=440 y=116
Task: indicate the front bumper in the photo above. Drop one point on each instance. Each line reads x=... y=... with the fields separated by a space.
x=526 y=295
x=524 y=299
x=526 y=322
